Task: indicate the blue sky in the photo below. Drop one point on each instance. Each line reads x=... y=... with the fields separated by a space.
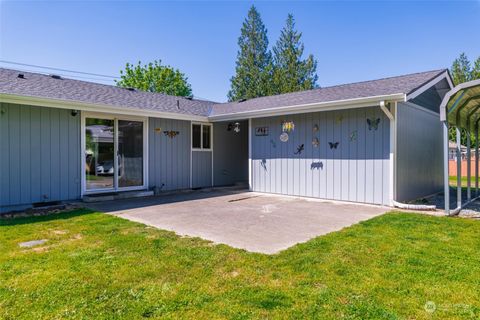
x=352 y=41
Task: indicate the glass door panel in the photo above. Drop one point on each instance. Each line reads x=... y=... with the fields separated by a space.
x=130 y=153
x=99 y=153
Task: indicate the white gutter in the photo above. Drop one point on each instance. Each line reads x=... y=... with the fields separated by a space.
x=312 y=107
x=93 y=107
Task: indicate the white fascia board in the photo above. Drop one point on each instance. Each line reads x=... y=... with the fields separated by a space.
x=312 y=107
x=430 y=84
x=65 y=104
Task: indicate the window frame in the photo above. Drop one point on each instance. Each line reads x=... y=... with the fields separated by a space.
x=202 y=125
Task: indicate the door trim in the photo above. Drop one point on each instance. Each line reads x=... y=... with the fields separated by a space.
x=115 y=117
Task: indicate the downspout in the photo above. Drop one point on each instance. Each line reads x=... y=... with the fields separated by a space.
x=391 y=113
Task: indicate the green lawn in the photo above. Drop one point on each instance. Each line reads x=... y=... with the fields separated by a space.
x=453 y=181
x=96 y=266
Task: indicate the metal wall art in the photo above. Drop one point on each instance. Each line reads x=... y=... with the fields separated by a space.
x=261 y=131
x=158 y=130
x=315 y=128
x=315 y=142
x=316 y=165
x=339 y=119
x=353 y=135
x=373 y=124
x=334 y=145
x=284 y=137
x=288 y=126
x=300 y=148
x=273 y=143
x=235 y=126
x=171 y=134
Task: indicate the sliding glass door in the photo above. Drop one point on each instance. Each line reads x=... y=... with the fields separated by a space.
x=114 y=154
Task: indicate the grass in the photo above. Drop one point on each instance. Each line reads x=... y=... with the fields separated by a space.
x=453 y=181
x=95 y=266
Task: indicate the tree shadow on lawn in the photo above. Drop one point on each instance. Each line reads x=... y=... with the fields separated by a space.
x=49 y=217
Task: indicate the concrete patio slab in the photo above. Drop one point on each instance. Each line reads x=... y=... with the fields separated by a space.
x=252 y=221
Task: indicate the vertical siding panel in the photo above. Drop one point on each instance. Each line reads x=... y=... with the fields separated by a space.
x=54 y=153
x=378 y=153
x=308 y=155
x=278 y=152
x=25 y=155
x=45 y=153
x=323 y=150
x=345 y=156
x=14 y=153
x=75 y=156
x=361 y=163
x=64 y=155
x=337 y=176
x=284 y=165
x=370 y=156
x=4 y=158
x=386 y=162
x=353 y=156
x=330 y=162
x=36 y=161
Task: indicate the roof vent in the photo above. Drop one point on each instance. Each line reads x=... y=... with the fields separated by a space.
x=178 y=104
x=56 y=76
x=242 y=100
x=130 y=89
x=189 y=98
x=21 y=76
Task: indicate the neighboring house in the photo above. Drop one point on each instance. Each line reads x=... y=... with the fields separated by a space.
x=452 y=151
x=370 y=142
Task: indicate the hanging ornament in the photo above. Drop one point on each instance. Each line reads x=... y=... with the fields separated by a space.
x=171 y=134
x=353 y=135
x=315 y=128
x=315 y=142
x=373 y=124
x=284 y=137
x=288 y=126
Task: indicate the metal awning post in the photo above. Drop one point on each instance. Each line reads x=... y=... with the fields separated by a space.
x=476 y=159
x=446 y=176
x=459 y=167
x=469 y=168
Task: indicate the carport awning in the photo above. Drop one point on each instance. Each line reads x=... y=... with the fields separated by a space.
x=461 y=106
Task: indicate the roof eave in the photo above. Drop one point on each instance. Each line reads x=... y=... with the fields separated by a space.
x=93 y=107
x=312 y=107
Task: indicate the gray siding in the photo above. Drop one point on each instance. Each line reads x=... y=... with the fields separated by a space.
x=357 y=170
x=230 y=156
x=40 y=155
x=201 y=169
x=419 y=153
x=169 y=158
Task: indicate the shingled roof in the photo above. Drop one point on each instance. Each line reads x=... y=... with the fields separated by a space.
x=405 y=84
x=45 y=86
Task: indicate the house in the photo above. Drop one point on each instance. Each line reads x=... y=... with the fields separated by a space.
x=369 y=142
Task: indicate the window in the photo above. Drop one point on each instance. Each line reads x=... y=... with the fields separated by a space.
x=201 y=136
x=196 y=134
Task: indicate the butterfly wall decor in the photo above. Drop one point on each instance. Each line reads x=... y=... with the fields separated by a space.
x=315 y=142
x=373 y=124
x=300 y=148
x=171 y=134
x=334 y=145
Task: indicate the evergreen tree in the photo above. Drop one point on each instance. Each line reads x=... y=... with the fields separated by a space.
x=461 y=69
x=291 y=73
x=253 y=70
x=476 y=69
